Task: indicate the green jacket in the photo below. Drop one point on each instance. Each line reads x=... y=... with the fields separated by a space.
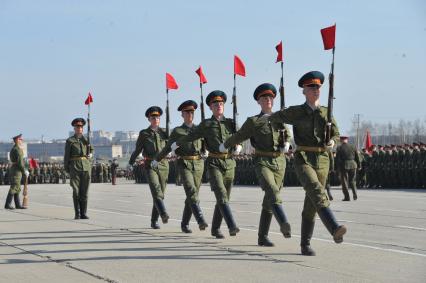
x=76 y=155
x=186 y=149
x=347 y=157
x=17 y=158
x=214 y=133
x=150 y=143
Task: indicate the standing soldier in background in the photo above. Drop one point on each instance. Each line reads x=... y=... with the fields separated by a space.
x=77 y=162
x=347 y=161
x=114 y=166
x=16 y=170
x=220 y=165
x=150 y=142
x=269 y=160
x=190 y=166
x=312 y=158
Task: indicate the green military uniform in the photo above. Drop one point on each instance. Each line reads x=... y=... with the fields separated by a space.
x=190 y=167
x=150 y=142
x=77 y=163
x=16 y=170
x=220 y=166
x=347 y=161
x=312 y=161
x=269 y=163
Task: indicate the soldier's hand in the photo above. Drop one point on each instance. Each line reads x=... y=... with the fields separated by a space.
x=330 y=145
x=205 y=154
x=222 y=148
x=286 y=147
x=154 y=164
x=238 y=149
x=27 y=173
x=90 y=155
x=129 y=168
x=174 y=146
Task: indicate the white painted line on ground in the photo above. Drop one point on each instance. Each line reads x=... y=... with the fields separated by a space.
x=397 y=210
x=253 y=230
x=126 y=201
x=411 y=227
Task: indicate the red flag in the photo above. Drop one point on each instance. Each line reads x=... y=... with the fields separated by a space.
x=171 y=82
x=368 y=142
x=279 y=49
x=203 y=79
x=239 y=68
x=89 y=99
x=328 y=37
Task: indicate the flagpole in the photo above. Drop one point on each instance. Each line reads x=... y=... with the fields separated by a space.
x=234 y=102
x=167 y=114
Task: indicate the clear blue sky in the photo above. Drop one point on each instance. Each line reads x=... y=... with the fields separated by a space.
x=54 y=52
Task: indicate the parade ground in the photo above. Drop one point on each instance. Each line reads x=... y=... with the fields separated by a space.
x=385 y=241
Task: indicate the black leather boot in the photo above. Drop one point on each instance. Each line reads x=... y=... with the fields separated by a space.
x=327 y=217
x=18 y=202
x=216 y=222
x=279 y=214
x=225 y=209
x=159 y=204
x=76 y=208
x=264 y=224
x=8 y=203
x=186 y=216
x=154 y=218
x=305 y=237
x=196 y=210
x=83 y=209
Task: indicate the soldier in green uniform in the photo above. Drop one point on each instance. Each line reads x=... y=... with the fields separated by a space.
x=269 y=160
x=312 y=158
x=77 y=163
x=150 y=142
x=220 y=165
x=16 y=170
x=190 y=166
x=347 y=161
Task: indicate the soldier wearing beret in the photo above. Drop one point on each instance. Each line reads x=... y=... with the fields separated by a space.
x=347 y=161
x=16 y=170
x=269 y=160
x=190 y=165
x=150 y=142
x=77 y=163
x=220 y=165
x=312 y=158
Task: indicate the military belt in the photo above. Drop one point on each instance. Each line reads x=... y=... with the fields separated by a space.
x=311 y=148
x=220 y=155
x=78 y=158
x=267 y=153
x=191 y=157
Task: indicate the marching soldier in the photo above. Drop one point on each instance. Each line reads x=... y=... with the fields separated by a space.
x=347 y=161
x=77 y=162
x=114 y=166
x=269 y=160
x=150 y=142
x=190 y=166
x=16 y=170
x=312 y=158
x=220 y=165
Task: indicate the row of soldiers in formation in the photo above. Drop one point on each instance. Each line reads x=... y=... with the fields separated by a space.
x=218 y=140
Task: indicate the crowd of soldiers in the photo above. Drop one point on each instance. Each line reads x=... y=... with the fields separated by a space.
x=44 y=173
x=101 y=172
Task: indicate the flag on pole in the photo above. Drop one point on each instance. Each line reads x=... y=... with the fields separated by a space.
x=239 y=68
x=203 y=79
x=89 y=99
x=171 y=82
x=368 y=142
x=279 y=49
x=328 y=37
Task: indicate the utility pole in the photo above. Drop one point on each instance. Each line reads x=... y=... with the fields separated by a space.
x=356 y=121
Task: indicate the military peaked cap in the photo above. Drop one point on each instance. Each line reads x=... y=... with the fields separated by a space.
x=265 y=89
x=215 y=96
x=78 y=120
x=153 y=111
x=189 y=105
x=311 y=78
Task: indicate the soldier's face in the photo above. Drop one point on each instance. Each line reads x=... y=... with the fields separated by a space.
x=78 y=129
x=188 y=116
x=266 y=102
x=217 y=108
x=19 y=141
x=312 y=93
x=154 y=120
